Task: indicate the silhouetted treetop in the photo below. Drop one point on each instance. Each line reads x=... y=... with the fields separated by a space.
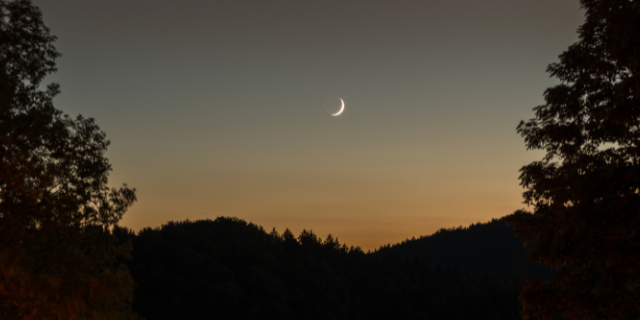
x=231 y=269
x=584 y=191
x=481 y=249
x=57 y=256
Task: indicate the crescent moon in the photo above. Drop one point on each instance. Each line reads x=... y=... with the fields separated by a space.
x=341 y=109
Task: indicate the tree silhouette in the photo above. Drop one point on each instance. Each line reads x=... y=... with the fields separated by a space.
x=481 y=249
x=57 y=255
x=585 y=192
x=231 y=269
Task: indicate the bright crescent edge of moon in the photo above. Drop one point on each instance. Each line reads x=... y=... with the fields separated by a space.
x=341 y=109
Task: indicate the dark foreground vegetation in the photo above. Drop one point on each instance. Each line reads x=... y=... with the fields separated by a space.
x=231 y=269
x=61 y=255
x=482 y=249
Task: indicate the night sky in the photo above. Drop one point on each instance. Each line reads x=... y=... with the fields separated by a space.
x=216 y=108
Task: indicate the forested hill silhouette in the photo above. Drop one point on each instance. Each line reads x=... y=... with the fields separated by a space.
x=231 y=269
x=482 y=249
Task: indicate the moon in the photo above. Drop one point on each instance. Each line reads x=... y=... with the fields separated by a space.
x=334 y=106
x=339 y=111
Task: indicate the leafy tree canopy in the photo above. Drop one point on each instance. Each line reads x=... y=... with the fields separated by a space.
x=57 y=256
x=585 y=192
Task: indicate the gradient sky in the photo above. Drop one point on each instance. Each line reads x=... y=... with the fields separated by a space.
x=215 y=108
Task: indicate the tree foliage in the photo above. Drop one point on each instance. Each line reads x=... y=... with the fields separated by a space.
x=231 y=269
x=57 y=254
x=585 y=192
x=481 y=249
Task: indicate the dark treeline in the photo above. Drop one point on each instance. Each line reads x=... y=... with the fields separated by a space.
x=482 y=249
x=231 y=269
